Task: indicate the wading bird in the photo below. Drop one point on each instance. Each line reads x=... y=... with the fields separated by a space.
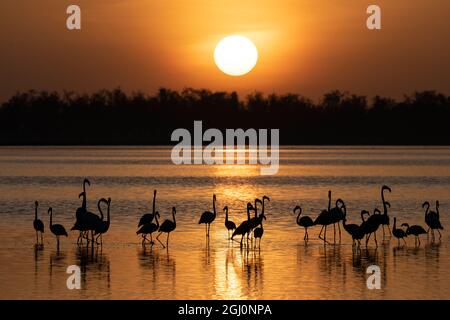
x=384 y=219
x=167 y=227
x=103 y=226
x=244 y=227
x=258 y=232
x=149 y=228
x=304 y=222
x=371 y=225
x=354 y=230
x=230 y=225
x=398 y=233
x=208 y=217
x=432 y=219
x=38 y=225
x=57 y=229
x=415 y=230
x=324 y=219
x=148 y=217
x=337 y=215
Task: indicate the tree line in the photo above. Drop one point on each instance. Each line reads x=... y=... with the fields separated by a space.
x=113 y=117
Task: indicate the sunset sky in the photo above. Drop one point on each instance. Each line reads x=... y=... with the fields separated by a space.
x=305 y=46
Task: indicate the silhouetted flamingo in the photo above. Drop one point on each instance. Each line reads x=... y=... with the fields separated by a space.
x=148 y=217
x=103 y=226
x=304 y=222
x=149 y=228
x=354 y=230
x=208 y=217
x=253 y=222
x=258 y=232
x=230 y=225
x=371 y=225
x=432 y=219
x=398 y=233
x=384 y=219
x=244 y=227
x=415 y=230
x=336 y=216
x=57 y=229
x=324 y=219
x=168 y=226
x=38 y=224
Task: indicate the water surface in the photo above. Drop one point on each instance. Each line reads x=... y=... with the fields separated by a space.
x=284 y=268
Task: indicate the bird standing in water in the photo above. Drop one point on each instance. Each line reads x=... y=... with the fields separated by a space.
x=208 y=217
x=38 y=225
x=304 y=222
x=57 y=229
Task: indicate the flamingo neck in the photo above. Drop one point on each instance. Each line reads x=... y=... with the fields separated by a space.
x=100 y=209
x=298 y=216
x=154 y=204
x=35 y=213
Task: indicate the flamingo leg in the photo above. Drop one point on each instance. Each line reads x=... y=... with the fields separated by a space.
x=440 y=235
x=367 y=238
x=167 y=241
x=418 y=238
x=339 y=228
x=334 y=236
x=389 y=229
x=157 y=238
x=375 y=237
x=42 y=239
x=404 y=241
x=320 y=233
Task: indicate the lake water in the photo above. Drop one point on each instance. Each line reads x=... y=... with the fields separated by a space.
x=285 y=267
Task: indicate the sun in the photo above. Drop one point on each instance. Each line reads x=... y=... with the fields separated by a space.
x=235 y=55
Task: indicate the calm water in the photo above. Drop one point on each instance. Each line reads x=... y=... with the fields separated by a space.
x=284 y=268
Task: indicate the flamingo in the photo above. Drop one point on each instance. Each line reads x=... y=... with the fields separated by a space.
x=384 y=219
x=371 y=225
x=230 y=225
x=253 y=222
x=432 y=219
x=337 y=215
x=398 y=233
x=149 y=228
x=258 y=232
x=103 y=226
x=354 y=230
x=57 y=229
x=168 y=226
x=208 y=217
x=244 y=227
x=304 y=222
x=38 y=224
x=148 y=217
x=324 y=219
x=415 y=230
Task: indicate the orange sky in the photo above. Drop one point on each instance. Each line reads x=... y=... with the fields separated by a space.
x=305 y=46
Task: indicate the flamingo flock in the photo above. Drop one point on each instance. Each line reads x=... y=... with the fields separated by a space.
x=92 y=227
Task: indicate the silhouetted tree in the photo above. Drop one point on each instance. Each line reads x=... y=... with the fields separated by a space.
x=114 y=117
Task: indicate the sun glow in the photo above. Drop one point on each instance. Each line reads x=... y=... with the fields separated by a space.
x=235 y=55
